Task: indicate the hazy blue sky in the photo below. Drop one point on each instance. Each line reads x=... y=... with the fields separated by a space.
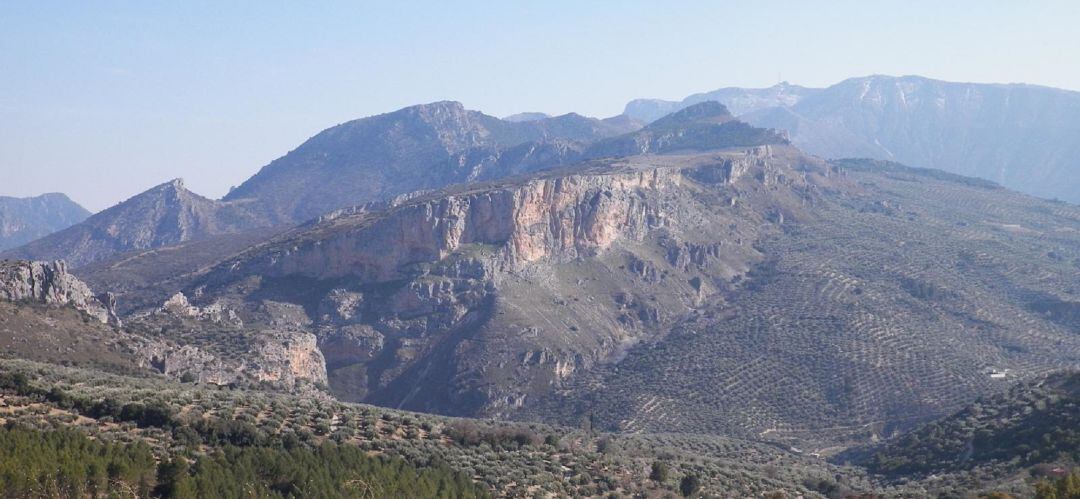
x=102 y=100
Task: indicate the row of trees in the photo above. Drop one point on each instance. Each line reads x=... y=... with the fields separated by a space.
x=66 y=463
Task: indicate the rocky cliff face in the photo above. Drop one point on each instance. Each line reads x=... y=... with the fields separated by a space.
x=443 y=302
x=166 y=215
x=212 y=344
x=550 y=218
x=50 y=283
x=179 y=340
x=24 y=219
x=283 y=359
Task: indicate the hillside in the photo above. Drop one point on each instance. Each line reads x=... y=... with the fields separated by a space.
x=890 y=306
x=1020 y=136
x=1035 y=422
x=325 y=445
x=1023 y=441
x=165 y=215
x=24 y=219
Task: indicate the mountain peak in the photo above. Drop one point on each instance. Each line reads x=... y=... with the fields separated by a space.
x=704 y=112
x=438 y=108
x=164 y=215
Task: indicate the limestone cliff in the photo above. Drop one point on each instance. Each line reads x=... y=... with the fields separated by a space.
x=555 y=217
x=280 y=357
x=474 y=299
x=50 y=283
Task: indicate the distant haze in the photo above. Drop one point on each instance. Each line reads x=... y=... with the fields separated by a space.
x=104 y=102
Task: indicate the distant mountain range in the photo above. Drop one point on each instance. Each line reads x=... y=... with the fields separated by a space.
x=381 y=158
x=24 y=219
x=1021 y=136
x=739 y=100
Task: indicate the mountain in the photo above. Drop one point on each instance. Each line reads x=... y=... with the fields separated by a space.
x=700 y=127
x=696 y=305
x=165 y=215
x=893 y=302
x=1020 y=136
x=746 y=290
x=417 y=148
x=739 y=100
x=369 y=160
x=24 y=219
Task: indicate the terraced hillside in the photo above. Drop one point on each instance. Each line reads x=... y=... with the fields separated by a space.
x=894 y=304
x=1035 y=422
x=1020 y=440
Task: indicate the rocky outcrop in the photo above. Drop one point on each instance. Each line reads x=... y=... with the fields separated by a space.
x=279 y=357
x=556 y=218
x=50 y=283
x=179 y=306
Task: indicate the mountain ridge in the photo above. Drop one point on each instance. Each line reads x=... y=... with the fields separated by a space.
x=166 y=214
x=415 y=148
x=1015 y=134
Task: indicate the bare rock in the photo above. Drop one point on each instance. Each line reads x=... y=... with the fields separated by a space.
x=50 y=283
